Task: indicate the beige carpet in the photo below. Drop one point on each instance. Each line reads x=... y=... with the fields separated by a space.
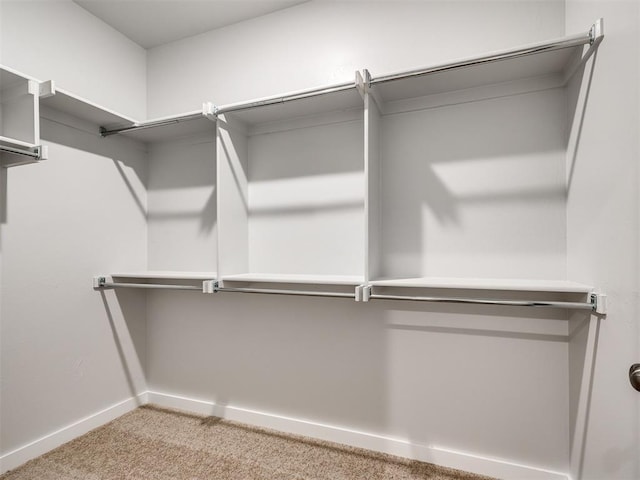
x=152 y=443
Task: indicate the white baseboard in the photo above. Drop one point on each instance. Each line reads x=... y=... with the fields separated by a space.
x=395 y=446
x=17 y=457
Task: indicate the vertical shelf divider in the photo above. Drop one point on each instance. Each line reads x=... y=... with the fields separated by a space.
x=233 y=198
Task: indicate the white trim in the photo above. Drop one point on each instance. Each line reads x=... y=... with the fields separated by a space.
x=17 y=457
x=395 y=446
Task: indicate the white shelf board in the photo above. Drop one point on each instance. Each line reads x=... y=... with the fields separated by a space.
x=172 y=131
x=352 y=280
x=168 y=275
x=552 y=286
x=541 y=65
x=12 y=142
x=78 y=107
x=338 y=101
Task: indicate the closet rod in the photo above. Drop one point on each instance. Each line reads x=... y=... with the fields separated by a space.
x=147 y=285
x=104 y=132
x=286 y=98
x=591 y=37
x=475 y=301
x=35 y=152
x=267 y=291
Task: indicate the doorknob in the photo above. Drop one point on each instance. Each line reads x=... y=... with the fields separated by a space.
x=634 y=376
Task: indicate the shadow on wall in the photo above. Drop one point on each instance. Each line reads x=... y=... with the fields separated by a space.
x=486 y=380
x=578 y=99
x=124 y=153
x=126 y=313
x=471 y=177
x=317 y=359
x=182 y=183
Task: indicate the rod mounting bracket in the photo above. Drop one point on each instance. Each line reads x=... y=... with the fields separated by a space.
x=210 y=286
x=596 y=32
x=599 y=301
x=210 y=111
x=366 y=293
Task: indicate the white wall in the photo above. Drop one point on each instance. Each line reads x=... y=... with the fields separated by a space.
x=58 y=40
x=68 y=352
x=319 y=43
x=603 y=214
x=447 y=377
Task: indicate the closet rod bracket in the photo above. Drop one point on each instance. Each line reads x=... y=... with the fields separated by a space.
x=596 y=32
x=599 y=302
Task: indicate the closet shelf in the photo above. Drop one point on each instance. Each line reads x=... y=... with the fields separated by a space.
x=167 y=280
x=112 y=123
x=21 y=153
x=19 y=121
x=311 y=104
x=556 y=60
x=167 y=128
x=66 y=102
x=502 y=292
x=166 y=275
x=348 y=280
x=514 y=285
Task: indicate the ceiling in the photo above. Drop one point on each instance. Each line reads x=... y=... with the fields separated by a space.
x=150 y=23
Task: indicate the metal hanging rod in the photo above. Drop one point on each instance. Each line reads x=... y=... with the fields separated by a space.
x=102 y=283
x=593 y=36
x=207 y=112
x=35 y=152
x=268 y=291
x=286 y=98
x=591 y=305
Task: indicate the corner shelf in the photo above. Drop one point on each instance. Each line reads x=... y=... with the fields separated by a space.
x=61 y=100
x=167 y=128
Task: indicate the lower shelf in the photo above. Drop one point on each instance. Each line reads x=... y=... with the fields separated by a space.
x=557 y=294
x=196 y=281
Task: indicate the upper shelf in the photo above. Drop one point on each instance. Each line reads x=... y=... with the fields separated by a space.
x=111 y=122
x=166 y=128
x=559 y=58
x=292 y=106
x=64 y=101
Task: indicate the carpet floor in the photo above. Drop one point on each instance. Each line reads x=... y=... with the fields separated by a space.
x=153 y=443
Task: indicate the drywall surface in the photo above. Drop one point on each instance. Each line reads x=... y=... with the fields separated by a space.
x=441 y=377
x=181 y=217
x=603 y=214
x=68 y=351
x=449 y=378
x=321 y=43
x=60 y=41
